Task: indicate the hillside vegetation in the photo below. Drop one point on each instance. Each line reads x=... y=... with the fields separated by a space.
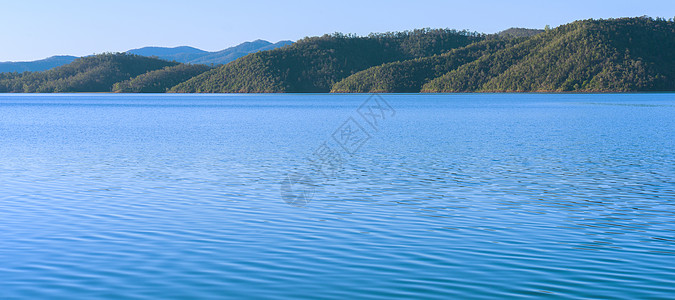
x=410 y=75
x=95 y=73
x=315 y=64
x=621 y=55
x=159 y=81
x=516 y=32
x=631 y=54
x=615 y=55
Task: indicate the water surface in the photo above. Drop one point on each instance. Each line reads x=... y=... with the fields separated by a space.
x=454 y=196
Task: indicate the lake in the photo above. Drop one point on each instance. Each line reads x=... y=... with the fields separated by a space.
x=337 y=196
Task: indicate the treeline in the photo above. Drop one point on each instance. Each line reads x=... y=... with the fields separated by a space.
x=96 y=73
x=519 y=32
x=316 y=64
x=159 y=81
x=108 y=72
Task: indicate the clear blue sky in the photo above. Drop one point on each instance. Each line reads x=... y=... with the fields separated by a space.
x=37 y=29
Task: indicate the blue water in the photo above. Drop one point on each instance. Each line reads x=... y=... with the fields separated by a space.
x=449 y=196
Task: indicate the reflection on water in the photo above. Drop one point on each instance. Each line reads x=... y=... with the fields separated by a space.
x=177 y=196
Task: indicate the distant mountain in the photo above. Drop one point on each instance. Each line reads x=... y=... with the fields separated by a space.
x=276 y=45
x=192 y=55
x=180 y=54
x=97 y=73
x=37 y=65
x=315 y=64
x=183 y=54
x=230 y=54
x=165 y=51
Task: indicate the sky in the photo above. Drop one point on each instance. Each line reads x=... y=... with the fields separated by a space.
x=31 y=29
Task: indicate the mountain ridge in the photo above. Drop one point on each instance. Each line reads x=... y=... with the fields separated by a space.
x=604 y=55
x=314 y=64
x=182 y=54
x=230 y=54
x=96 y=73
x=36 y=65
x=614 y=55
x=158 y=50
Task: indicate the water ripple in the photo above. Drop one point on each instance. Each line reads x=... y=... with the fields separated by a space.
x=460 y=196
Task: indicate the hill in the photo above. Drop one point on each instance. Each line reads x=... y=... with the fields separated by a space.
x=37 y=65
x=631 y=54
x=616 y=55
x=159 y=81
x=410 y=75
x=185 y=54
x=95 y=73
x=315 y=64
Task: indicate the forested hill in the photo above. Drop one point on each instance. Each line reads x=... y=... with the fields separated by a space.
x=95 y=73
x=159 y=81
x=621 y=55
x=616 y=55
x=410 y=75
x=315 y=64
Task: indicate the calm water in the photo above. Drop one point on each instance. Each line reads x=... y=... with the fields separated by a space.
x=179 y=196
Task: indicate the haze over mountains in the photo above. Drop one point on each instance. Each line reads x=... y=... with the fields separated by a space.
x=192 y=55
x=36 y=65
x=613 y=55
x=182 y=54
